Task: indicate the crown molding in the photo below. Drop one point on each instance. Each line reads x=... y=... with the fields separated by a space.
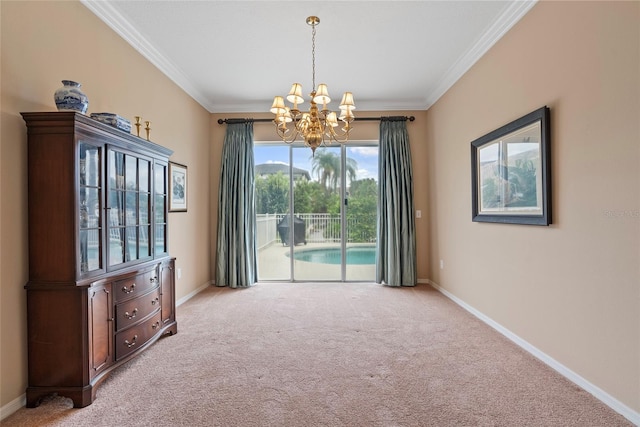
x=118 y=23
x=509 y=17
x=110 y=16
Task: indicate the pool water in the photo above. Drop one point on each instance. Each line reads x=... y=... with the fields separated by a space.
x=361 y=255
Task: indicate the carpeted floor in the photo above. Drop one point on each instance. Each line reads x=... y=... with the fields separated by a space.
x=329 y=354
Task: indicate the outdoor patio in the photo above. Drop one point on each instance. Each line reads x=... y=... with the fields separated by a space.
x=274 y=262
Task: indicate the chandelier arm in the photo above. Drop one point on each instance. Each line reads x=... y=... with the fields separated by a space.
x=339 y=138
x=282 y=133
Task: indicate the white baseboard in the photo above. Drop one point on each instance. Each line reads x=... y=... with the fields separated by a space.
x=194 y=293
x=596 y=391
x=13 y=406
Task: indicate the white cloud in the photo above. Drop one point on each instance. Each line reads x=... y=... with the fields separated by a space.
x=365 y=151
x=366 y=174
x=276 y=162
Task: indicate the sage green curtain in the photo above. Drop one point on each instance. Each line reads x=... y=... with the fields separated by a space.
x=237 y=255
x=396 y=246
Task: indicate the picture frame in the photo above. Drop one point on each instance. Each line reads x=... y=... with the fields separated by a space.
x=511 y=172
x=178 y=187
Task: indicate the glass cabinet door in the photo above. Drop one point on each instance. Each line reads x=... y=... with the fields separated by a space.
x=144 y=208
x=115 y=207
x=160 y=171
x=129 y=207
x=90 y=207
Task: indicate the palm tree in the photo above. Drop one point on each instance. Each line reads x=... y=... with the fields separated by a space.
x=326 y=166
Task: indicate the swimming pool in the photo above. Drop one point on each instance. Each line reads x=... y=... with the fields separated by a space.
x=358 y=255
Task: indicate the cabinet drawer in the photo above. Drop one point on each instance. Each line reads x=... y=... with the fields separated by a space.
x=132 y=311
x=135 y=337
x=136 y=285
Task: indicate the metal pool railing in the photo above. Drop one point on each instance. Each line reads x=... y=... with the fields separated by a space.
x=319 y=228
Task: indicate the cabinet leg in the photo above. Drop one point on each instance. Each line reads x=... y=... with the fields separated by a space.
x=172 y=330
x=81 y=396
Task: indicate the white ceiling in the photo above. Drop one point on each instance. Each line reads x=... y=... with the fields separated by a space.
x=234 y=56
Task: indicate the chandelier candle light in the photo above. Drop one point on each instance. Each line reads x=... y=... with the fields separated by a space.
x=315 y=125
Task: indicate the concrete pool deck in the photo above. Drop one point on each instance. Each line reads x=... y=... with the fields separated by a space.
x=274 y=264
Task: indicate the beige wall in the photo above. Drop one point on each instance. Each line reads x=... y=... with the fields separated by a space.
x=43 y=43
x=572 y=289
x=363 y=131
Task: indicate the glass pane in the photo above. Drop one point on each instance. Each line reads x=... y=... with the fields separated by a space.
x=361 y=216
x=89 y=195
x=144 y=208
x=93 y=166
x=132 y=208
x=131 y=173
x=84 y=211
x=509 y=178
x=144 y=247
x=89 y=250
x=317 y=247
x=89 y=165
x=111 y=169
x=116 y=170
x=272 y=205
x=143 y=171
x=160 y=173
x=89 y=207
x=116 y=246
x=160 y=242
x=93 y=258
x=160 y=202
x=82 y=164
x=116 y=208
x=132 y=244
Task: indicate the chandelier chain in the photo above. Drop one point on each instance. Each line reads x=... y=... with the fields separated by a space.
x=313 y=57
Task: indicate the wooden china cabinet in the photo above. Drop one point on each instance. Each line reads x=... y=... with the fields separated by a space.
x=101 y=281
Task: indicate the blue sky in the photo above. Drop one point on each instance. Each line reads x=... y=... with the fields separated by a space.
x=365 y=156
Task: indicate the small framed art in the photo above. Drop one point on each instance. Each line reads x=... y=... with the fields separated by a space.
x=178 y=186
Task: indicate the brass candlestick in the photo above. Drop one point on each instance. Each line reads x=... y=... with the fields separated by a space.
x=147 y=128
x=138 y=124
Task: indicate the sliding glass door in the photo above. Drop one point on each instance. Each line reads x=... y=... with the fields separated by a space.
x=333 y=196
x=317 y=203
x=360 y=211
x=273 y=181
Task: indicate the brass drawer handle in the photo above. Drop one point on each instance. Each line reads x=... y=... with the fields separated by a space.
x=132 y=315
x=153 y=279
x=129 y=290
x=155 y=301
x=132 y=343
x=155 y=326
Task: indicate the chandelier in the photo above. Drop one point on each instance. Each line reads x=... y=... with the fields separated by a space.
x=317 y=125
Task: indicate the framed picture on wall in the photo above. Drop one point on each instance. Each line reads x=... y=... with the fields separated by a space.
x=511 y=172
x=177 y=187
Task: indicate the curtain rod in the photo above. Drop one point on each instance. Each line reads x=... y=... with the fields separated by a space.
x=357 y=119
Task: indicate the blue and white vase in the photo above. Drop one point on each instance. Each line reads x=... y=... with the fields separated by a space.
x=70 y=98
